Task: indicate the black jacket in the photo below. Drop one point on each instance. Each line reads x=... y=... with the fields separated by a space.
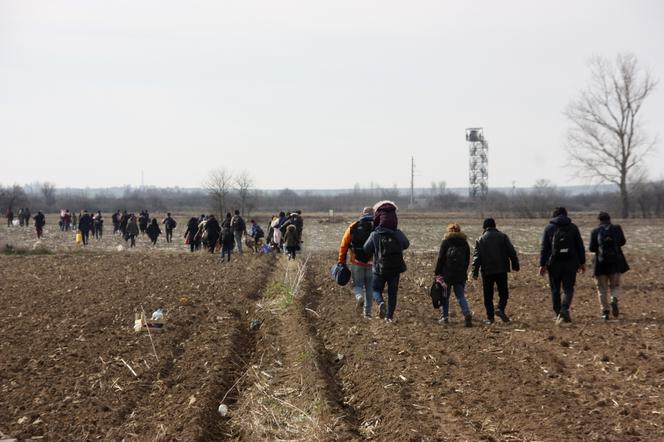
x=85 y=223
x=579 y=255
x=213 y=229
x=493 y=254
x=620 y=266
x=451 y=275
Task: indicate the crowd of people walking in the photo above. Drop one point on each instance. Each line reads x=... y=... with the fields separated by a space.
x=375 y=246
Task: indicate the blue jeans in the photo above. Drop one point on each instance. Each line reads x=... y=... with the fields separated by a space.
x=459 y=292
x=238 y=241
x=378 y=285
x=362 y=277
x=226 y=252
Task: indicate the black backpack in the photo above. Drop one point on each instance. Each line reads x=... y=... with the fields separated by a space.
x=390 y=256
x=170 y=223
x=456 y=261
x=259 y=232
x=562 y=243
x=437 y=293
x=239 y=225
x=359 y=234
x=607 y=250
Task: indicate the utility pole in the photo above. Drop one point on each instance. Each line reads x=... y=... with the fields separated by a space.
x=412 y=182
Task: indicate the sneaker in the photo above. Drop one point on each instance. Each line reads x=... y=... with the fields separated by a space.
x=503 y=317
x=489 y=321
x=614 y=307
x=443 y=320
x=605 y=315
x=389 y=320
x=382 y=308
x=367 y=317
x=468 y=320
x=564 y=315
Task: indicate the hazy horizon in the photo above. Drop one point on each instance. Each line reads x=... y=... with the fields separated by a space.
x=305 y=95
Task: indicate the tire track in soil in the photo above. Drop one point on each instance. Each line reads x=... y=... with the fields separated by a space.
x=242 y=350
x=291 y=391
x=181 y=401
x=329 y=363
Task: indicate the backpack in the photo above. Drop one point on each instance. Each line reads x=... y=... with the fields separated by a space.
x=562 y=243
x=390 y=256
x=170 y=223
x=456 y=261
x=259 y=232
x=359 y=234
x=239 y=225
x=607 y=250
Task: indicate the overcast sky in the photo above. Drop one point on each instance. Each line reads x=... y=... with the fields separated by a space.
x=304 y=94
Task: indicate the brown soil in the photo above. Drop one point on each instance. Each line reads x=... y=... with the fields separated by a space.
x=314 y=369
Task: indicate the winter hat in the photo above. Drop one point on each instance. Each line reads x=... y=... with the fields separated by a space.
x=489 y=223
x=385 y=215
x=603 y=216
x=367 y=211
x=560 y=211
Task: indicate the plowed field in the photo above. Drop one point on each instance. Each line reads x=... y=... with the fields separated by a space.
x=284 y=349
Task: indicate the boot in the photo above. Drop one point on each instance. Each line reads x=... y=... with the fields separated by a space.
x=614 y=307
x=468 y=320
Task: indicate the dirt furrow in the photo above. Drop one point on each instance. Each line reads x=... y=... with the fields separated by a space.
x=289 y=390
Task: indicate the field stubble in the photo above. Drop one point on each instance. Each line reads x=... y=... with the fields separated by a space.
x=284 y=348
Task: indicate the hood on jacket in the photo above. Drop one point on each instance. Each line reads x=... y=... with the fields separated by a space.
x=451 y=235
x=561 y=220
x=386 y=215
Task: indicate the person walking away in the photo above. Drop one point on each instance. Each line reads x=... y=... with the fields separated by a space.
x=124 y=220
x=256 y=234
x=84 y=225
x=609 y=263
x=21 y=219
x=27 y=215
x=98 y=224
x=10 y=217
x=452 y=271
x=239 y=228
x=132 y=230
x=361 y=263
x=276 y=235
x=227 y=242
x=191 y=232
x=115 y=219
x=153 y=231
x=292 y=241
x=40 y=222
x=213 y=230
x=493 y=255
x=386 y=244
x=71 y=221
x=169 y=224
x=143 y=221
x=562 y=255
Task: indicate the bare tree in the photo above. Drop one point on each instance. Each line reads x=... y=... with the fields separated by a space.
x=219 y=185
x=606 y=141
x=12 y=197
x=47 y=190
x=244 y=184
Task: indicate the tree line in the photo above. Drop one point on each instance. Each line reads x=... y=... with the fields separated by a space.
x=647 y=198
